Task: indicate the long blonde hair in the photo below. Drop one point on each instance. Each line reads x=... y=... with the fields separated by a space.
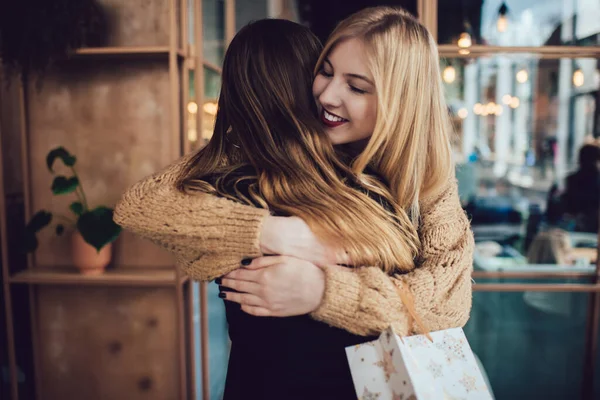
x=410 y=145
x=267 y=123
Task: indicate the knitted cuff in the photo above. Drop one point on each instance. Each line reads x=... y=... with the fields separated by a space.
x=341 y=299
x=240 y=231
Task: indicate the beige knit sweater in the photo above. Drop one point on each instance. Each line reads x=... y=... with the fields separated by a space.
x=210 y=235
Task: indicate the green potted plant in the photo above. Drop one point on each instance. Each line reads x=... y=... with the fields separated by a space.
x=94 y=228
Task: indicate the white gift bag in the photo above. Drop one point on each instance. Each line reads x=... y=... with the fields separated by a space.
x=437 y=365
x=416 y=368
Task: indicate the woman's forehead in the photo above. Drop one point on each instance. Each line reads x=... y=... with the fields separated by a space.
x=349 y=56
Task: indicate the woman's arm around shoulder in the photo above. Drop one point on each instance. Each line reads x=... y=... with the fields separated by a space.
x=191 y=226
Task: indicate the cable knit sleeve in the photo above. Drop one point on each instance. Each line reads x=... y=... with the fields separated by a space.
x=365 y=301
x=193 y=227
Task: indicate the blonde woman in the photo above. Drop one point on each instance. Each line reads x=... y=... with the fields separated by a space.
x=379 y=96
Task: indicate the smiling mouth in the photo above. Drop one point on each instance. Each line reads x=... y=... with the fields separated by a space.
x=331 y=120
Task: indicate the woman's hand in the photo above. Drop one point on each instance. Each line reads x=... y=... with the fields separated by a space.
x=276 y=286
x=292 y=237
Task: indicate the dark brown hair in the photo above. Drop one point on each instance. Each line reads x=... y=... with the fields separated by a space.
x=267 y=124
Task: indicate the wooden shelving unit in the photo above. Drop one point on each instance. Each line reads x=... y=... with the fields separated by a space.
x=129 y=51
x=164 y=283
x=113 y=277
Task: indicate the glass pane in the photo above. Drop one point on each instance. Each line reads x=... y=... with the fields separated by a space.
x=191 y=22
x=521 y=122
x=192 y=112
x=322 y=16
x=213 y=17
x=521 y=23
x=248 y=11
x=212 y=86
x=218 y=342
x=531 y=345
x=597 y=371
x=197 y=338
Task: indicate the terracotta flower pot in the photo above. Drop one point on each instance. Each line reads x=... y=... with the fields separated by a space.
x=86 y=258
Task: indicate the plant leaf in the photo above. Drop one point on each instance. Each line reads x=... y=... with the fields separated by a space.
x=77 y=208
x=60 y=229
x=41 y=219
x=62 y=153
x=97 y=227
x=64 y=185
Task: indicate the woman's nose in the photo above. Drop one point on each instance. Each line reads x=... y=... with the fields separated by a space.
x=330 y=97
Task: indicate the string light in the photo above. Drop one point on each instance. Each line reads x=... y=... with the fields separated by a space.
x=463 y=113
x=449 y=74
x=522 y=76
x=514 y=102
x=506 y=99
x=192 y=107
x=210 y=108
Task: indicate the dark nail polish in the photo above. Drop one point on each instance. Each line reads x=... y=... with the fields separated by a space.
x=218 y=281
x=246 y=261
x=222 y=295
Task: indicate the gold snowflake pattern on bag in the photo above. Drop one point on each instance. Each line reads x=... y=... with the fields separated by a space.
x=367 y=395
x=436 y=370
x=400 y=396
x=453 y=346
x=469 y=382
x=387 y=364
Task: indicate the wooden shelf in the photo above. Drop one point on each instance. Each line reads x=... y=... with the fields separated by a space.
x=119 y=276
x=126 y=51
x=551 y=52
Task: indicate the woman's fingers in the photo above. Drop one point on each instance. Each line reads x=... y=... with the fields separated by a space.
x=244 y=299
x=256 y=311
x=243 y=274
x=342 y=257
x=263 y=262
x=242 y=286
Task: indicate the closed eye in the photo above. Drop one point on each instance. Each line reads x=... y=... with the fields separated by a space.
x=325 y=73
x=357 y=90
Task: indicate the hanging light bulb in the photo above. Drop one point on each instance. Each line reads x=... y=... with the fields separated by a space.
x=506 y=99
x=478 y=108
x=449 y=74
x=522 y=76
x=514 y=102
x=463 y=113
x=464 y=40
x=578 y=77
x=502 y=22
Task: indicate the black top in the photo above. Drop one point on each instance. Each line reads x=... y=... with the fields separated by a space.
x=285 y=358
x=582 y=198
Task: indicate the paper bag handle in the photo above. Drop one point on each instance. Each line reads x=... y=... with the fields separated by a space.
x=408 y=300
